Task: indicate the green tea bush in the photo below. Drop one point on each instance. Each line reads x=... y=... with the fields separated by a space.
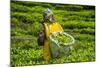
x=33 y=29
x=85 y=37
x=78 y=24
x=19 y=8
x=25 y=57
x=31 y=4
x=68 y=7
x=16 y=31
x=82 y=31
x=25 y=42
x=14 y=22
x=25 y=18
x=88 y=31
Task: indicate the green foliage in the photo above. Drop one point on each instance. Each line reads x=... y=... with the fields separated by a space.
x=78 y=24
x=77 y=20
x=61 y=38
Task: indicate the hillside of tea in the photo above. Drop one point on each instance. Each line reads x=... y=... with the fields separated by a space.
x=77 y=20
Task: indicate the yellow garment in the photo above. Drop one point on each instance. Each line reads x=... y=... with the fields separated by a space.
x=49 y=28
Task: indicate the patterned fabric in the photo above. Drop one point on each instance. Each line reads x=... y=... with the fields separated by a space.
x=47 y=12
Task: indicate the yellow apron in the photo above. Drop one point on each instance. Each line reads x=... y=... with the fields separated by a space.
x=49 y=28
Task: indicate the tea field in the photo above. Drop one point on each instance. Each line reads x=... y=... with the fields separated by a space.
x=77 y=20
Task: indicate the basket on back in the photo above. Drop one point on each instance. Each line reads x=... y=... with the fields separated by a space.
x=60 y=43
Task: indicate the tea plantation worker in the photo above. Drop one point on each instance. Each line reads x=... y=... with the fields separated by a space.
x=49 y=25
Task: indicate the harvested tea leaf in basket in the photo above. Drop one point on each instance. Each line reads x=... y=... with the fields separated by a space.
x=62 y=38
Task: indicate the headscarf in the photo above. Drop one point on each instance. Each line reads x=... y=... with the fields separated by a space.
x=48 y=15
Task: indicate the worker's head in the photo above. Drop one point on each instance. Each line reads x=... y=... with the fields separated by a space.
x=48 y=16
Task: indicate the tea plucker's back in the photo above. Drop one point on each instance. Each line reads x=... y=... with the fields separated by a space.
x=49 y=25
